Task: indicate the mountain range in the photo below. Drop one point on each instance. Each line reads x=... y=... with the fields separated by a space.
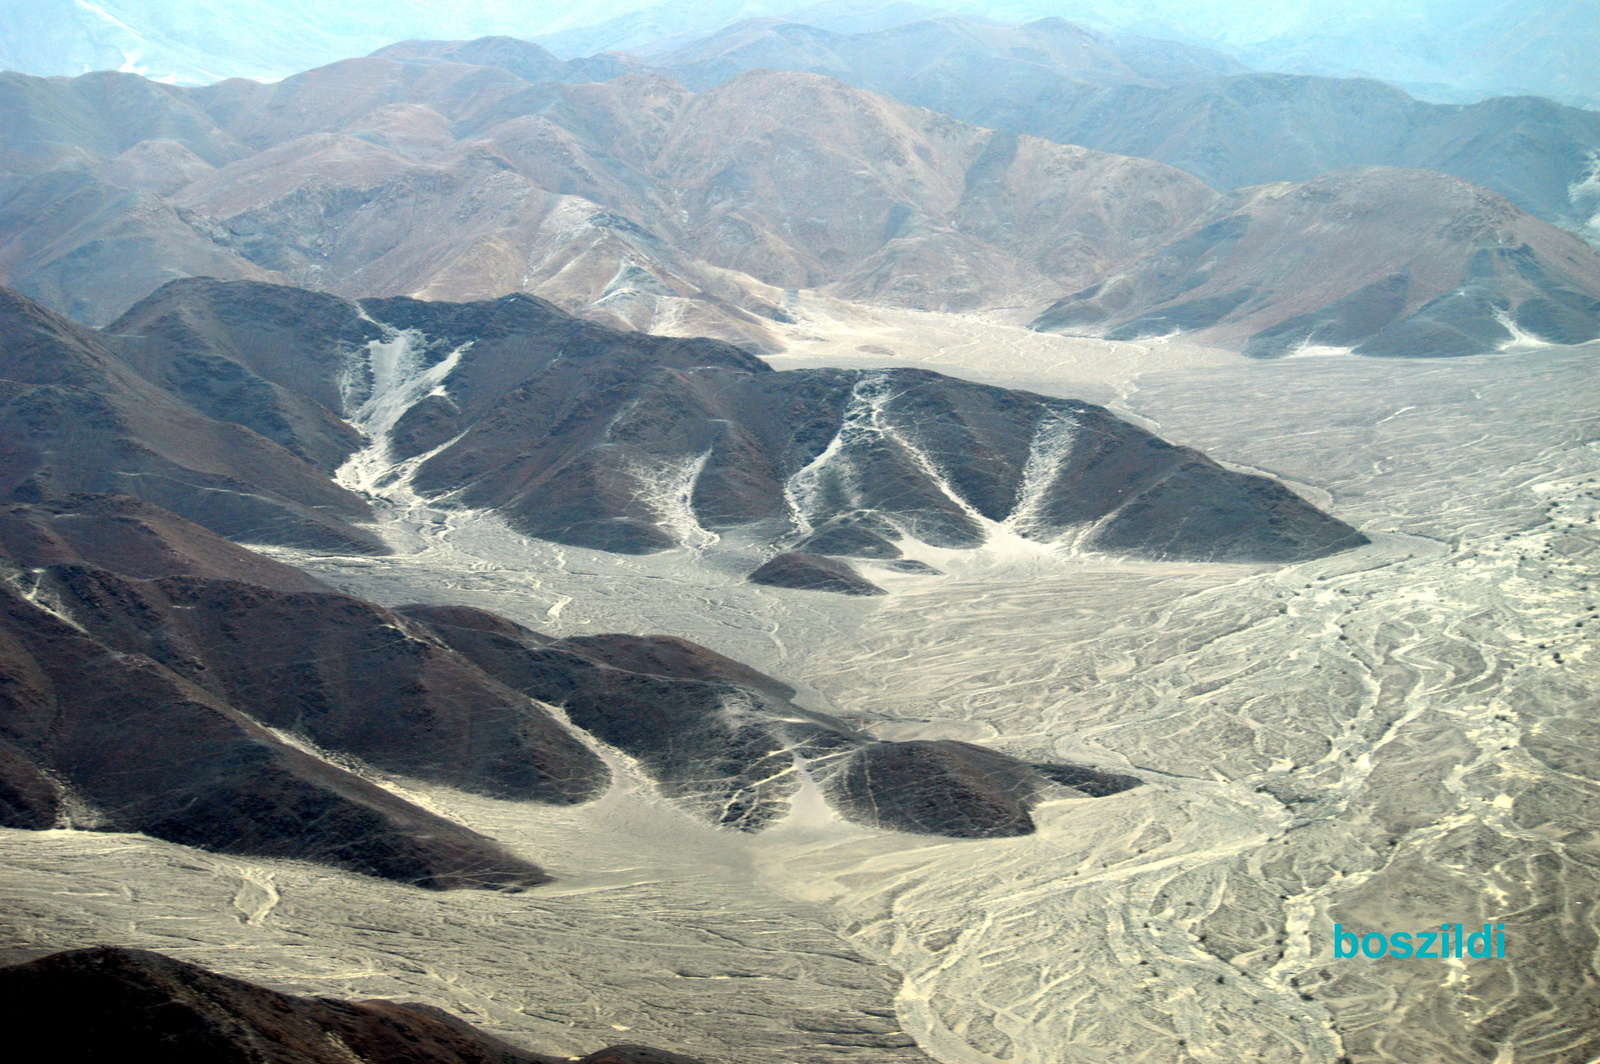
x=166 y=681
x=373 y=441
x=437 y=171
x=1446 y=49
x=238 y=405
x=1194 y=109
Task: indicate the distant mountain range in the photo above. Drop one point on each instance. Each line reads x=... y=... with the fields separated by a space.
x=1197 y=110
x=633 y=200
x=1386 y=262
x=438 y=170
x=1451 y=50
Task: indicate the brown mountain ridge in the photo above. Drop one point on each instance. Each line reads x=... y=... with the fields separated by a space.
x=440 y=170
x=578 y=434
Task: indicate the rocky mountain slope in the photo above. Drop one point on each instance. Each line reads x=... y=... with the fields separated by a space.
x=78 y=417
x=177 y=686
x=151 y=694
x=1180 y=105
x=1387 y=262
x=437 y=170
x=620 y=441
x=634 y=200
x=731 y=750
x=1251 y=129
x=165 y=680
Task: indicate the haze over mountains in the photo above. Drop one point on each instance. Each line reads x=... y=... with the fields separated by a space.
x=1197 y=110
x=1454 y=50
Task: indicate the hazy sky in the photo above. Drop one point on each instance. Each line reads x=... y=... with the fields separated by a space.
x=1445 y=48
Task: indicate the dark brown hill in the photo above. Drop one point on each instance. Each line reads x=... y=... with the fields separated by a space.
x=665 y=455
x=730 y=747
x=268 y=357
x=1388 y=262
x=345 y=674
x=635 y=443
x=194 y=707
x=157 y=678
x=134 y=538
x=812 y=572
x=76 y=417
x=143 y=750
x=114 y=1003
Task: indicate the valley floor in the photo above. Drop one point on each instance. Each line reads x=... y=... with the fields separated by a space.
x=1392 y=738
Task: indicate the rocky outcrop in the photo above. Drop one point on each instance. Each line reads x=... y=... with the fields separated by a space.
x=732 y=748
x=810 y=572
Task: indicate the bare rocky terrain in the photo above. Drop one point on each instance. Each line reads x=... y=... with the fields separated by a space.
x=1282 y=268
x=1386 y=737
x=751 y=567
x=1197 y=110
x=465 y=170
x=252 y=687
x=591 y=436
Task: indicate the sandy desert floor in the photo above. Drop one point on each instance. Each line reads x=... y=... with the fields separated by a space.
x=1392 y=738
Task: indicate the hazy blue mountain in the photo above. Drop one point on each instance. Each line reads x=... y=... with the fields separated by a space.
x=1250 y=129
x=1451 y=50
x=1190 y=107
x=1448 y=50
x=947 y=64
